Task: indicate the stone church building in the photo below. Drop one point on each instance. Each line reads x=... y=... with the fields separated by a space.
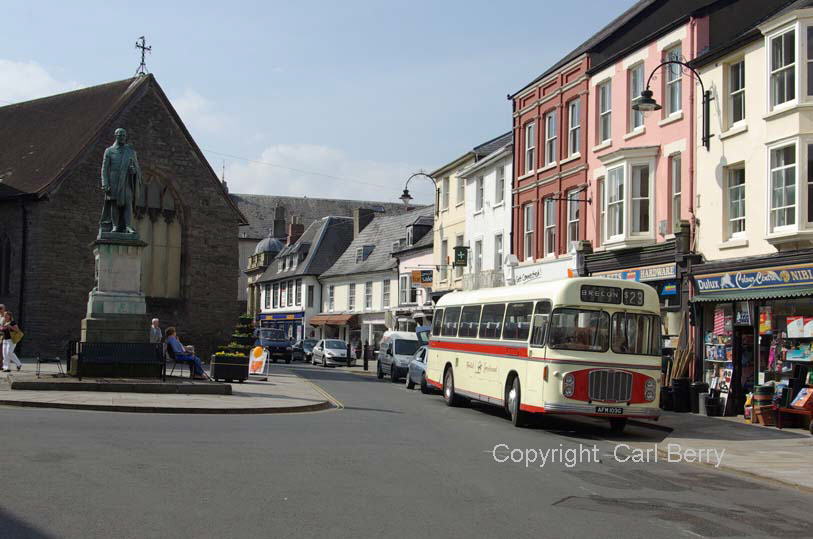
x=51 y=201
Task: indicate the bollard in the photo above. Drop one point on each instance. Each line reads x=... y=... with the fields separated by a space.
x=348 y=354
x=366 y=354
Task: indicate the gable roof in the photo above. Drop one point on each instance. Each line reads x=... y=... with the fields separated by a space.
x=41 y=140
x=259 y=213
x=382 y=231
x=325 y=240
x=497 y=143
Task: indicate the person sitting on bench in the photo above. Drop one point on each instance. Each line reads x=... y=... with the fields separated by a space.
x=182 y=354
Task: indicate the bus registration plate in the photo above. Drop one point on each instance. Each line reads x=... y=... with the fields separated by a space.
x=613 y=410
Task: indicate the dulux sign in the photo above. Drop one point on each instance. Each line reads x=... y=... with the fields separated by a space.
x=781 y=277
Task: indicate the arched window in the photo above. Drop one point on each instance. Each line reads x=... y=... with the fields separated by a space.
x=5 y=265
x=158 y=224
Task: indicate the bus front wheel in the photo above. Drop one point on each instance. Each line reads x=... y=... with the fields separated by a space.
x=448 y=389
x=513 y=400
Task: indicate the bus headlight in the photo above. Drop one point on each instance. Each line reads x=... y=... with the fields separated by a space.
x=649 y=390
x=568 y=385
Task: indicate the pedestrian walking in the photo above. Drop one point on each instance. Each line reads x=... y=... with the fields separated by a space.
x=155 y=332
x=2 y=316
x=11 y=336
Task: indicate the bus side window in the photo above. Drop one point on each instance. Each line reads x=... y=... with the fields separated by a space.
x=437 y=322
x=539 y=329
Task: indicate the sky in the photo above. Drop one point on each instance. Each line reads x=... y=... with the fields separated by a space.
x=338 y=99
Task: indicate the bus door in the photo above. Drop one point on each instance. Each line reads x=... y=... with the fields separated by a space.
x=535 y=378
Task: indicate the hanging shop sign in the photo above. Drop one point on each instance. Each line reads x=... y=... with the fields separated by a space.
x=762 y=278
x=642 y=274
x=421 y=277
x=669 y=289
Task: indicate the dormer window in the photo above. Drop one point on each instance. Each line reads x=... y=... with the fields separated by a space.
x=363 y=253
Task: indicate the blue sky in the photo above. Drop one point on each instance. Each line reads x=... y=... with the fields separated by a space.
x=364 y=92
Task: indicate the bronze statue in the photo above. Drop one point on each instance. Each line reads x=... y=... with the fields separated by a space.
x=121 y=179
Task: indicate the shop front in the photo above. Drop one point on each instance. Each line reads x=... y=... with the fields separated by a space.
x=291 y=323
x=334 y=326
x=754 y=323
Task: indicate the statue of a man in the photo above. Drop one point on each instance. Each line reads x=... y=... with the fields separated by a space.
x=121 y=179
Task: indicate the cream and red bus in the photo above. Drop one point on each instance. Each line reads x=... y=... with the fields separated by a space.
x=588 y=346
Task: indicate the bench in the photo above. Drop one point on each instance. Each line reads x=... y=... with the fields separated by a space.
x=118 y=360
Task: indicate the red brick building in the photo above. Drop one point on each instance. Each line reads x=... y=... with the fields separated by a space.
x=550 y=165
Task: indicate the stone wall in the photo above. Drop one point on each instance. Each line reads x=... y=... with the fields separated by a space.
x=59 y=269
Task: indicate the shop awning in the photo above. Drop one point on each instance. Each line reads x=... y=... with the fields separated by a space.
x=759 y=293
x=330 y=319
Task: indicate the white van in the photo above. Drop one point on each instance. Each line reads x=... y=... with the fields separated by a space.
x=395 y=352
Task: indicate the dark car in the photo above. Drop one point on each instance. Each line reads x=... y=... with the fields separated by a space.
x=303 y=349
x=276 y=342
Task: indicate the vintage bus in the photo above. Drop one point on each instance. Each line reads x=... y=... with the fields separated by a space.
x=588 y=346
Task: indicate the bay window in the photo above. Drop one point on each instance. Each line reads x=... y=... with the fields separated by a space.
x=574 y=127
x=615 y=202
x=783 y=187
x=530 y=147
x=550 y=226
x=640 y=199
x=783 y=68
x=550 y=138
x=736 y=201
x=528 y=231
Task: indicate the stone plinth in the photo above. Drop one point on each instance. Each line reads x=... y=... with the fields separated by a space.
x=117 y=309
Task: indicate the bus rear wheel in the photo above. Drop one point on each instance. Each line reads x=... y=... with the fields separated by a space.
x=448 y=389
x=513 y=399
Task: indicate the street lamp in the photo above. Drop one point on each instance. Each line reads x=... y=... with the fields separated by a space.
x=646 y=103
x=406 y=197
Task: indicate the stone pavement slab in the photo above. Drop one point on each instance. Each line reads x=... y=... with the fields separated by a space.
x=281 y=392
x=783 y=456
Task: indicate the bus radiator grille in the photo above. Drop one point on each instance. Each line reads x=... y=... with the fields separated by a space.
x=610 y=386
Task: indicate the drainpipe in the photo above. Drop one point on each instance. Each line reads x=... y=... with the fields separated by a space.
x=692 y=171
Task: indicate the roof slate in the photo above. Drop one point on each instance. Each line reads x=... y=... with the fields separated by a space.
x=487 y=148
x=382 y=231
x=258 y=210
x=325 y=240
x=39 y=139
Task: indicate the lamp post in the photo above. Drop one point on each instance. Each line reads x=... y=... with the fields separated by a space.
x=646 y=103
x=406 y=197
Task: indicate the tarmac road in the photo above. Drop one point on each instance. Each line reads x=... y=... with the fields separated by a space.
x=389 y=463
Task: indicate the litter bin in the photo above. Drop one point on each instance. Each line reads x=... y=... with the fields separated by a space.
x=694 y=395
x=680 y=394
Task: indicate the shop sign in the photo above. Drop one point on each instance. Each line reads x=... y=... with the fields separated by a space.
x=642 y=274
x=461 y=256
x=280 y=316
x=669 y=289
x=422 y=277
x=770 y=278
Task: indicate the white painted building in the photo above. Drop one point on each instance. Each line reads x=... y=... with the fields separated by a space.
x=488 y=213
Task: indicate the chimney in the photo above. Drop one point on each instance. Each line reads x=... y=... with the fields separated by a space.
x=361 y=218
x=295 y=230
x=278 y=230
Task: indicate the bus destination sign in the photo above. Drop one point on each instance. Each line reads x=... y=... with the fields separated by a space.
x=612 y=294
x=591 y=293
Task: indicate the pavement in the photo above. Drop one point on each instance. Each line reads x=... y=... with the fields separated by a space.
x=764 y=452
x=387 y=462
x=283 y=392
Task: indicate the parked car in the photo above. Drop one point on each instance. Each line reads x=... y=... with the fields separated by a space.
x=394 y=354
x=276 y=342
x=303 y=349
x=416 y=374
x=330 y=352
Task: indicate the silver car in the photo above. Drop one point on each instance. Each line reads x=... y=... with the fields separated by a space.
x=417 y=371
x=329 y=352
